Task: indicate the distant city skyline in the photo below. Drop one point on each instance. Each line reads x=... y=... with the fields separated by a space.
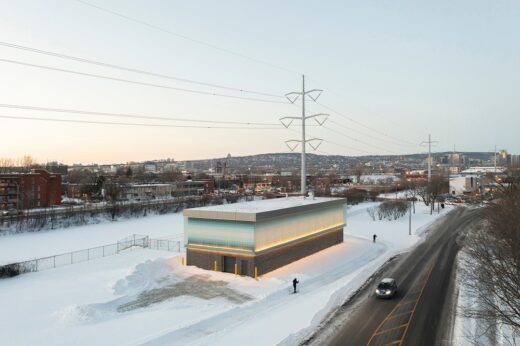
x=392 y=72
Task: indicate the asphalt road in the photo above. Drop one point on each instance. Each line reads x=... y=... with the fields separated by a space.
x=422 y=312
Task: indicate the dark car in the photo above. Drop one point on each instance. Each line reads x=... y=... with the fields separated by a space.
x=387 y=288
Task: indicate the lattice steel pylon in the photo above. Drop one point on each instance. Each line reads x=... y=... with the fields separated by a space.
x=313 y=94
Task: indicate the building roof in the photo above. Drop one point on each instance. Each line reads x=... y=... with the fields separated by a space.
x=262 y=209
x=474 y=170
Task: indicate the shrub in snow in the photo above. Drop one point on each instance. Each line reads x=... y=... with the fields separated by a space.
x=9 y=270
x=390 y=210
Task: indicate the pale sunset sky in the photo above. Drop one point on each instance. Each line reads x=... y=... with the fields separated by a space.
x=395 y=71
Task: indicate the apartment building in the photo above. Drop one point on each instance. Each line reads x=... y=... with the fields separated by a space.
x=37 y=189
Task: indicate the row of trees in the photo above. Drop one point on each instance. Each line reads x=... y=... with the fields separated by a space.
x=52 y=218
x=24 y=163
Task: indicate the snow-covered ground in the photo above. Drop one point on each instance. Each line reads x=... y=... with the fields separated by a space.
x=25 y=246
x=395 y=195
x=468 y=330
x=148 y=297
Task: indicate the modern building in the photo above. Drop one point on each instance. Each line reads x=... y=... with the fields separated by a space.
x=254 y=238
x=37 y=189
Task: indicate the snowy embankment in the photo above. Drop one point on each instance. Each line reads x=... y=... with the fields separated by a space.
x=467 y=330
x=148 y=297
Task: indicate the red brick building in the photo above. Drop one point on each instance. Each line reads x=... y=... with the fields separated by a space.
x=38 y=189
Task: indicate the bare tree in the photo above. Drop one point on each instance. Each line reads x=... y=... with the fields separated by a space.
x=493 y=264
x=412 y=188
x=113 y=193
x=6 y=164
x=27 y=162
x=422 y=191
x=430 y=192
x=437 y=186
x=358 y=172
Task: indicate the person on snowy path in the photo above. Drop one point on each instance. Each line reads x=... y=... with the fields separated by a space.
x=294 y=283
x=374 y=238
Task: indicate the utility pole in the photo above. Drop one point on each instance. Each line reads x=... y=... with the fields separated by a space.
x=429 y=156
x=303 y=182
x=410 y=218
x=313 y=94
x=495 y=160
x=451 y=167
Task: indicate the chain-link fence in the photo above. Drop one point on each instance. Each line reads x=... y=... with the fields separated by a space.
x=50 y=262
x=165 y=245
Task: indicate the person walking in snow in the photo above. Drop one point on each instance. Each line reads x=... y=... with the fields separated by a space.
x=294 y=283
x=374 y=238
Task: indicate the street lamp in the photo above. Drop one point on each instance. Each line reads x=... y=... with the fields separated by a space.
x=409 y=214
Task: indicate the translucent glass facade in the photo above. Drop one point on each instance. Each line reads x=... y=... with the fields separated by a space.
x=265 y=233
x=235 y=234
x=281 y=230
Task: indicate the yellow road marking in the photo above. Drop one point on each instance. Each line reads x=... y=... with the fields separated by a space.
x=390 y=329
x=381 y=324
x=415 y=306
x=407 y=301
x=400 y=314
x=411 y=312
x=392 y=343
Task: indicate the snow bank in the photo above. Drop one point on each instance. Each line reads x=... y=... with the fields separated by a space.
x=469 y=331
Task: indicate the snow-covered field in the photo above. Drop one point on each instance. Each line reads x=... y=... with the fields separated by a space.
x=25 y=246
x=148 y=297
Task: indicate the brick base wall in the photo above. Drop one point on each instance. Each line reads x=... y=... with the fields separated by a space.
x=206 y=260
x=267 y=261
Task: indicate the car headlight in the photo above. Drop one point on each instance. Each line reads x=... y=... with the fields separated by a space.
x=388 y=292
x=377 y=291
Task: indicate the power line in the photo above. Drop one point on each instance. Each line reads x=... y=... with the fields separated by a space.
x=349 y=147
x=338 y=144
x=368 y=135
x=136 y=116
x=156 y=27
x=184 y=37
x=363 y=125
x=359 y=141
x=128 y=69
x=364 y=134
x=139 y=83
x=137 y=124
x=379 y=116
x=324 y=152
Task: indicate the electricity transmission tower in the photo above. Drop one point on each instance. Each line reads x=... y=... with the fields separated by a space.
x=313 y=94
x=429 y=142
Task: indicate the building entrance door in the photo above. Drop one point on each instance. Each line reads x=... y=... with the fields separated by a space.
x=229 y=264
x=243 y=267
